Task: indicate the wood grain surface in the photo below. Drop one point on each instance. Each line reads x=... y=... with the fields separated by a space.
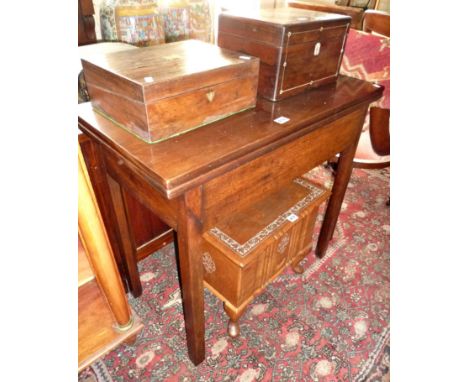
x=298 y=49
x=161 y=91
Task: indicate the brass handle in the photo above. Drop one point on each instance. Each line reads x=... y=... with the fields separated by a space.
x=210 y=96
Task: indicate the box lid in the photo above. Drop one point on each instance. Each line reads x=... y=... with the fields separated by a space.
x=287 y=16
x=156 y=72
x=271 y=26
x=247 y=229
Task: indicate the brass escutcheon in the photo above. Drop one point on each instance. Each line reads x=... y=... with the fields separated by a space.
x=210 y=96
x=283 y=244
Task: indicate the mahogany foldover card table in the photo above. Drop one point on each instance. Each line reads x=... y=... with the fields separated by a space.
x=194 y=180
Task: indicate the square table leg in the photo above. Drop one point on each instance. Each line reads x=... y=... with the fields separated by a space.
x=340 y=184
x=191 y=272
x=128 y=247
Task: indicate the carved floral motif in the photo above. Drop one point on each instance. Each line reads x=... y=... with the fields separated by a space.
x=283 y=244
x=208 y=263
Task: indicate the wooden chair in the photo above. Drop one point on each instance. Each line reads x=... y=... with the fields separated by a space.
x=374 y=146
x=376 y=22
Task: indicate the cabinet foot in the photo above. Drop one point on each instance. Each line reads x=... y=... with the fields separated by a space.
x=233 y=329
x=297 y=268
x=234 y=314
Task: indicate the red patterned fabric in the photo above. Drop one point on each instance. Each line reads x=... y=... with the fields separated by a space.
x=367 y=57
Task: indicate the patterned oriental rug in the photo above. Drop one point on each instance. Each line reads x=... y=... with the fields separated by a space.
x=329 y=324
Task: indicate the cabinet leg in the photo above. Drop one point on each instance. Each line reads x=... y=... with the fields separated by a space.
x=295 y=263
x=297 y=268
x=233 y=328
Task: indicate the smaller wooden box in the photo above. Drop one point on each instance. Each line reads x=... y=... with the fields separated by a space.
x=162 y=91
x=247 y=250
x=298 y=48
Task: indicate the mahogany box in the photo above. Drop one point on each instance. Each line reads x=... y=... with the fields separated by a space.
x=298 y=48
x=159 y=92
x=247 y=250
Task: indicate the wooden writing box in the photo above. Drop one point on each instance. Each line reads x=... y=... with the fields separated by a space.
x=162 y=91
x=298 y=48
x=248 y=249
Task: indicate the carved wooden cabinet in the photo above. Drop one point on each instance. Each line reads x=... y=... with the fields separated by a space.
x=248 y=249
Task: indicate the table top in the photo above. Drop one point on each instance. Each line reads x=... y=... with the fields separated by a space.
x=180 y=163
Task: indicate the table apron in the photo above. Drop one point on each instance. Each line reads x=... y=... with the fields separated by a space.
x=124 y=173
x=251 y=181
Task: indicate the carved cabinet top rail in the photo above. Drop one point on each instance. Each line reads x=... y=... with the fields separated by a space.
x=178 y=164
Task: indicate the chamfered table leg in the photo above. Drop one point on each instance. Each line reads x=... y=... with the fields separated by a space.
x=343 y=174
x=94 y=158
x=127 y=241
x=191 y=272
